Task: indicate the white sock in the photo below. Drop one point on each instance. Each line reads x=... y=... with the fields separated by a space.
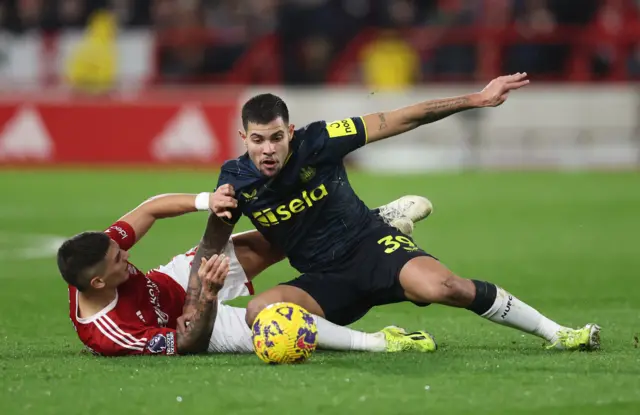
x=334 y=337
x=510 y=311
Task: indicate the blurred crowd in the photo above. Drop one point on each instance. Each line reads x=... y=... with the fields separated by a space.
x=205 y=38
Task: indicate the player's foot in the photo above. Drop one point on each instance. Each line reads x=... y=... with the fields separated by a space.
x=586 y=338
x=403 y=213
x=398 y=340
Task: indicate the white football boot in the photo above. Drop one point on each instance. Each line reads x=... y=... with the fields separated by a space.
x=403 y=213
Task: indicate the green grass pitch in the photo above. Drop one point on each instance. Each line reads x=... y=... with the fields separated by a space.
x=565 y=243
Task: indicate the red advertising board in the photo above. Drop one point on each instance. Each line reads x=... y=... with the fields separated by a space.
x=117 y=131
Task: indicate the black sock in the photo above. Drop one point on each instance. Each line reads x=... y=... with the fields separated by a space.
x=485 y=297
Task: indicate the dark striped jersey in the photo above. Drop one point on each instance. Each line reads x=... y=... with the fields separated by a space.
x=308 y=209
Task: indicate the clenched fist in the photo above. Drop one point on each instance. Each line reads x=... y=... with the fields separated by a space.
x=222 y=200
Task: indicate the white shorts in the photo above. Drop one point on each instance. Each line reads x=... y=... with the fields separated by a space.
x=230 y=332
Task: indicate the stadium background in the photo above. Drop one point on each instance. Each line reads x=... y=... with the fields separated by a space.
x=105 y=103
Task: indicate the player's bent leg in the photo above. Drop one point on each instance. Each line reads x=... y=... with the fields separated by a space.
x=254 y=253
x=282 y=293
x=237 y=284
x=425 y=280
x=231 y=335
x=390 y=339
x=334 y=337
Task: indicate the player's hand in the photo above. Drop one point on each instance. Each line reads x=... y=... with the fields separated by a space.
x=212 y=273
x=222 y=200
x=187 y=316
x=498 y=90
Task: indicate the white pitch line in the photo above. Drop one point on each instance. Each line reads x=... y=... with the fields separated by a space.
x=21 y=246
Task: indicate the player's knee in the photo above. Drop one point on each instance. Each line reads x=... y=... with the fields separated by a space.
x=440 y=287
x=254 y=308
x=453 y=289
x=432 y=282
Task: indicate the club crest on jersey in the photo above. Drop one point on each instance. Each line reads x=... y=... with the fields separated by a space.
x=249 y=196
x=307 y=173
x=284 y=212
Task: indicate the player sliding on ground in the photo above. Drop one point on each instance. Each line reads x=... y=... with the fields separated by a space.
x=118 y=310
x=293 y=186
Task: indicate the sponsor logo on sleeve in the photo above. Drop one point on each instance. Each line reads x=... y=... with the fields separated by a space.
x=341 y=128
x=122 y=232
x=171 y=344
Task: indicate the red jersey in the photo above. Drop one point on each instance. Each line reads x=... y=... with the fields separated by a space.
x=142 y=317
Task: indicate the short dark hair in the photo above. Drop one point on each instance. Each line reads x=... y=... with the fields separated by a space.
x=264 y=108
x=78 y=256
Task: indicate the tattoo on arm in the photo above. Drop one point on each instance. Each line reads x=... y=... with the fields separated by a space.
x=383 y=121
x=196 y=337
x=194 y=287
x=215 y=237
x=442 y=108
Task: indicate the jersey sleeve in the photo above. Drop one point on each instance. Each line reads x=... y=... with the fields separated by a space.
x=123 y=234
x=112 y=339
x=339 y=138
x=226 y=177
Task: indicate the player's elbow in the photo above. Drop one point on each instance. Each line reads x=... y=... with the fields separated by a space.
x=190 y=346
x=188 y=350
x=191 y=349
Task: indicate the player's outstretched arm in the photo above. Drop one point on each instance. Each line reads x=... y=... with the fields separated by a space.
x=216 y=236
x=163 y=206
x=388 y=124
x=195 y=337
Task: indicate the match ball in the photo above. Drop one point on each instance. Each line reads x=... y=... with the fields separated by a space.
x=284 y=333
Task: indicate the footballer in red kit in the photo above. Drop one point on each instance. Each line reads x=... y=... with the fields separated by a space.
x=142 y=317
x=118 y=310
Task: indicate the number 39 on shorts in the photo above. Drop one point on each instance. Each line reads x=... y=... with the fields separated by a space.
x=392 y=243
